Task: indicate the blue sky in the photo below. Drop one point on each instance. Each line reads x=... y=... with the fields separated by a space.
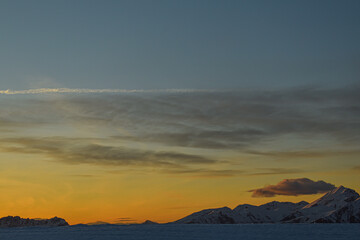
x=179 y=44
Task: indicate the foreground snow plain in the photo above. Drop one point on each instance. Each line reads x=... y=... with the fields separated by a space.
x=186 y=232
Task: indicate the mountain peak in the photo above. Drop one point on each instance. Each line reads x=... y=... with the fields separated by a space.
x=148 y=222
x=338 y=196
x=342 y=192
x=303 y=203
x=339 y=189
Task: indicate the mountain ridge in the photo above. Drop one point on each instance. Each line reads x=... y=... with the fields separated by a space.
x=340 y=205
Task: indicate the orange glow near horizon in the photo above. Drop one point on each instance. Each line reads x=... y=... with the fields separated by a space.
x=52 y=189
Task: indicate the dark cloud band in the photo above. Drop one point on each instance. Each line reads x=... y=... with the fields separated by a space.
x=80 y=151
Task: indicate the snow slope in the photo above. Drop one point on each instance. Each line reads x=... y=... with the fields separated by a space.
x=271 y=212
x=268 y=213
x=341 y=205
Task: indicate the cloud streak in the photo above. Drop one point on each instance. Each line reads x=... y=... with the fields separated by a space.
x=293 y=187
x=221 y=173
x=307 y=154
x=86 y=91
x=83 y=151
x=79 y=151
x=356 y=168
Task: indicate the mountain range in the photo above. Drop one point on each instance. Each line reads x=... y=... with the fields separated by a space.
x=340 y=205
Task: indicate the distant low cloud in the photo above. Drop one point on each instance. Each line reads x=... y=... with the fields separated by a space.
x=293 y=187
x=125 y=220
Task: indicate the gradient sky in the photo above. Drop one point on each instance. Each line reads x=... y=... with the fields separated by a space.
x=122 y=111
x=178 y=44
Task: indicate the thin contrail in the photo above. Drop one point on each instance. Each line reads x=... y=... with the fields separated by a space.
x=84 y=90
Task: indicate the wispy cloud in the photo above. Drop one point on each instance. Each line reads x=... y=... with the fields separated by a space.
x=236 y=120
x=85 y=90
x=80 y=151
x=184 y=126
x=206 y=173
x=125 y=220
x=356 y=168
x=274 y=171
x=293 y=187
x=221 y=173
x=203 y=138
x=307 y=154
x=83 y=151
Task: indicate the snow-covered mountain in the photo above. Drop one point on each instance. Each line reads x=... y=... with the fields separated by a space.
x=210 y=216
x=11 y=221
x=339 y=205
x=271 y=212
x=268 y=213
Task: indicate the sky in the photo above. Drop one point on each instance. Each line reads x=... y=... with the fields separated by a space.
x=122 y=111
